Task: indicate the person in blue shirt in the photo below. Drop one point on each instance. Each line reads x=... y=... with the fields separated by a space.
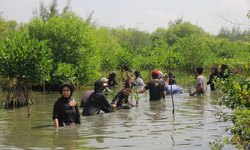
x=175 y=88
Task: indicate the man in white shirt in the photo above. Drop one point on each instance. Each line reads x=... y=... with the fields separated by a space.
x=200 y=83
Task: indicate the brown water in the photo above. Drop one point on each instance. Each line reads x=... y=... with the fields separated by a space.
x=149 y=126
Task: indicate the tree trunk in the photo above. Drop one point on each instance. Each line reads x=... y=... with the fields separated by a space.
x=121 y=76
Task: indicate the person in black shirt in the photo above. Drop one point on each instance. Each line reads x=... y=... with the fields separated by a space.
x=112 y=81
x=97 y=102
x=85 y=98
x=225 y=72
x=213 y=77
x=66 y=111
x=172 y=80
x=156 y=88
x=122 y=97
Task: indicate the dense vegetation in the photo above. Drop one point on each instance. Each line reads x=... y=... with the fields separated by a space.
x=85 y=50
x=53 y=48
x=236 y=96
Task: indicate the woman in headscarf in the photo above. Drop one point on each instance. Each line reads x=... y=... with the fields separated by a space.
x=112 y=81
x=213 y=77
x=97 y=102
x=138 y=79
x=225 y=72
x=66 y=111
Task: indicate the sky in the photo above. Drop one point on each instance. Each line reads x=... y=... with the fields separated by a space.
x=146 y=15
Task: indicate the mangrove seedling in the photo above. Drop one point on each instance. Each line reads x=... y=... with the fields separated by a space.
x=111 y=95
x=136 y=96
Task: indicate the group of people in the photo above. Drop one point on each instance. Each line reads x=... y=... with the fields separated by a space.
x=66 y=111
x=201 y=82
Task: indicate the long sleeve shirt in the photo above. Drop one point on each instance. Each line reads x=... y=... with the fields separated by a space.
x=95 y=103
x=65 y=113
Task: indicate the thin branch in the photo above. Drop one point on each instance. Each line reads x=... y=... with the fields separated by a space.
x=229 y=19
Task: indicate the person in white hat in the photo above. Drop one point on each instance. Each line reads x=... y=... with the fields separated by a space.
x=161 y=77
x=105 y=88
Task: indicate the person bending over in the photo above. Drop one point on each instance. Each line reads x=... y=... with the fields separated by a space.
x=175 y=88
x=85 y=98
x=97 y=102
x=122 y=97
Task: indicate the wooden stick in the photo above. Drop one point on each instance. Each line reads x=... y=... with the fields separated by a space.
x=170 y=79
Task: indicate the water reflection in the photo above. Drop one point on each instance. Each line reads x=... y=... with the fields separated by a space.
x=201 y=102
x=96 y=125
x=173 y=132
x=214 y=95
x=156 y=108
x=66 y=137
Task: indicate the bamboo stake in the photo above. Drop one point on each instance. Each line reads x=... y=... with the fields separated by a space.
x=171 y=80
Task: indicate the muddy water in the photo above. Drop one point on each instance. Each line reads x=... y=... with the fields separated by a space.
x=149 y=126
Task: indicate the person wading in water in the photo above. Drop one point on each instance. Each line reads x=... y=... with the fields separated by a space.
x=66 y=111
x=97 y=102
x=156 y=88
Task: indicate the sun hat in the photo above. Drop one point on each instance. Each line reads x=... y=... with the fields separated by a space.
x=104 y=81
